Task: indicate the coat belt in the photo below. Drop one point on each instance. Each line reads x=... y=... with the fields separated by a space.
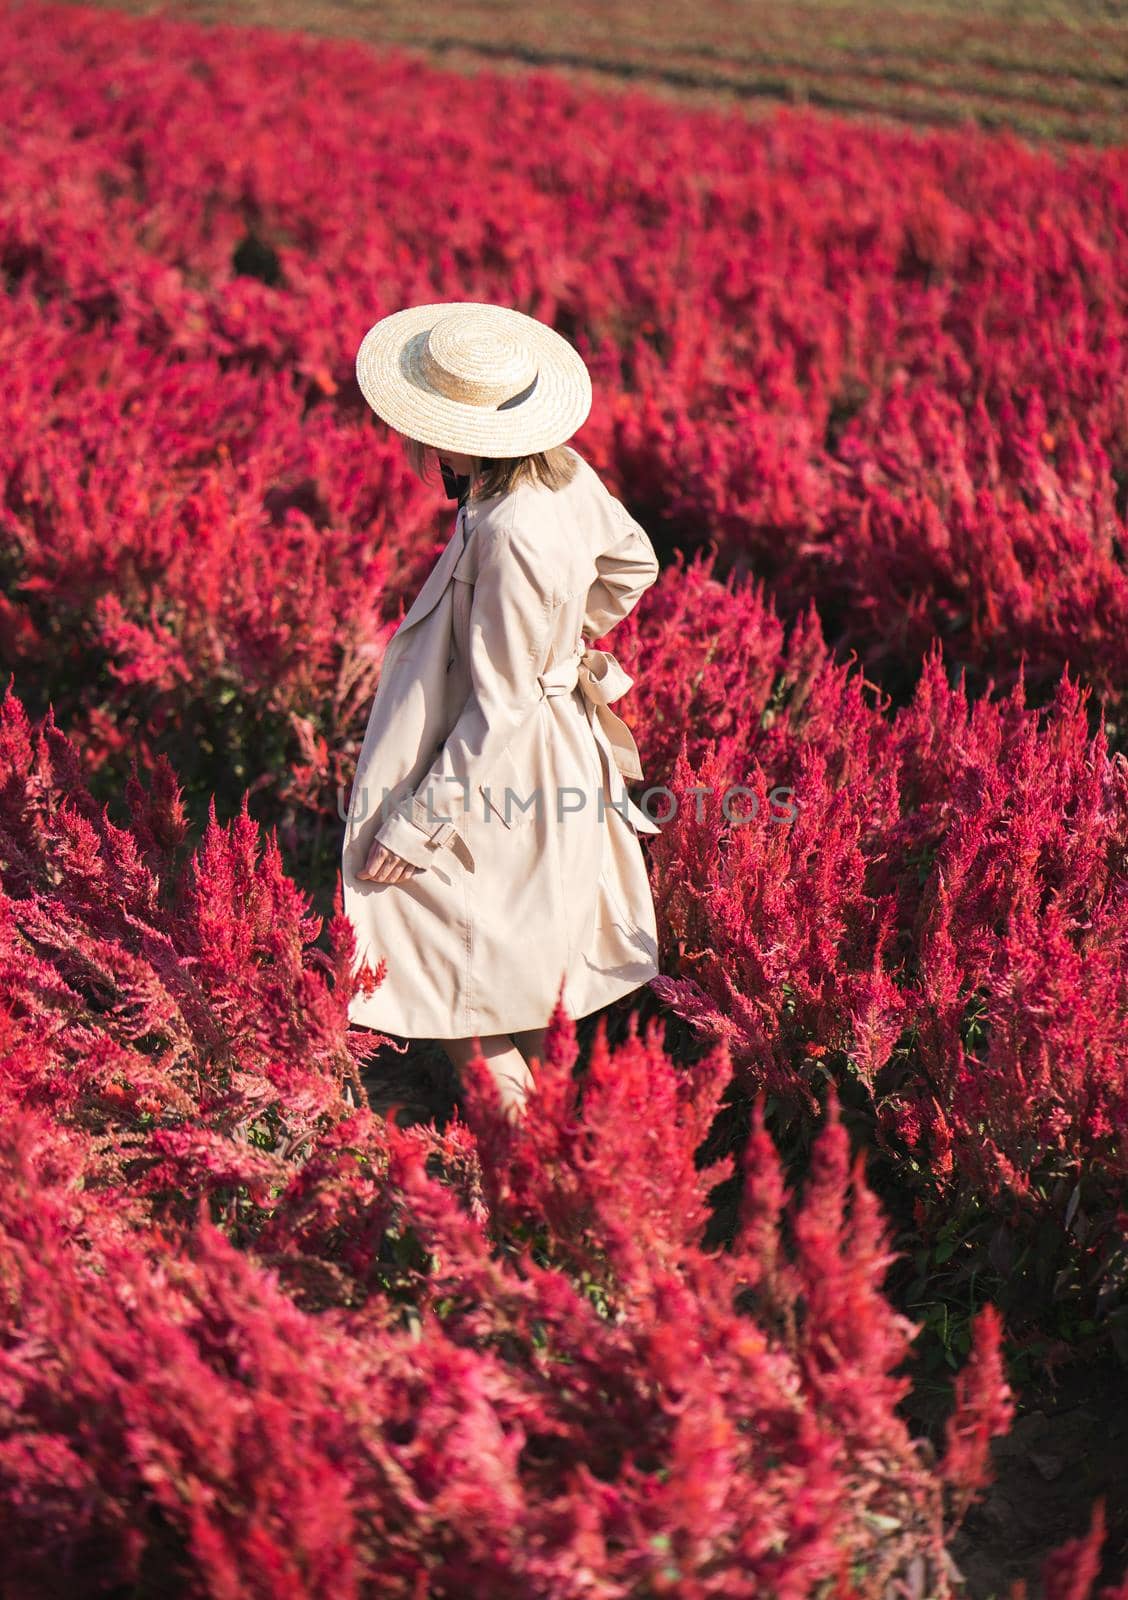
x=601 y=679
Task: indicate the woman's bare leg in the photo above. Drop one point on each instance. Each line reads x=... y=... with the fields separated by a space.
x=530 y=1042
x=506 y=1063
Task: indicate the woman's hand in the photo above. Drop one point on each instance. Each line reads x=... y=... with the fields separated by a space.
x=384 y=866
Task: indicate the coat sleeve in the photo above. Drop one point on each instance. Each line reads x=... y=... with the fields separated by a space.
x=626 y=570
x=511 y=616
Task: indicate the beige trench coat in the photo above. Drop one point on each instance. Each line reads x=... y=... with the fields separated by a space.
x=492 y=759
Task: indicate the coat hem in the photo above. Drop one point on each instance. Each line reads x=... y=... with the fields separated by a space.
x=482 y=1029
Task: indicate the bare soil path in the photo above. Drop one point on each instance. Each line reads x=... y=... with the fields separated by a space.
x=1044 y=69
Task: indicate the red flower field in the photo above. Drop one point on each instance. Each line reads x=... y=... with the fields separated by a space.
x=788 y=1241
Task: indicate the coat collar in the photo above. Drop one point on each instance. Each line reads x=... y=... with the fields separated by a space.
x=437 y=579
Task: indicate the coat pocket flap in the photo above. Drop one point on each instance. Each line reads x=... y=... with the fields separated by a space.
x=508 y=795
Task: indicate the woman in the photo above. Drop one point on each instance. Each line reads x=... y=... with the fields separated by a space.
x=491 y=852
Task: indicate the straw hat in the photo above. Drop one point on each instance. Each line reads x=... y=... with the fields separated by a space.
x=478 y=379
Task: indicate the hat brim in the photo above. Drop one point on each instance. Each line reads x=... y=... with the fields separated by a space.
x=391 y=379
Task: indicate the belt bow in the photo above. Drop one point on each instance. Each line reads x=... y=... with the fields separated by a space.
x=601 y=679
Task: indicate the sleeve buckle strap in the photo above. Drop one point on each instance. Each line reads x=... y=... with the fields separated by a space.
x=438 y=828
x=443 y=834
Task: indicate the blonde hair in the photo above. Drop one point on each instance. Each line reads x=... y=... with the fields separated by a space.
x=489 y=477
